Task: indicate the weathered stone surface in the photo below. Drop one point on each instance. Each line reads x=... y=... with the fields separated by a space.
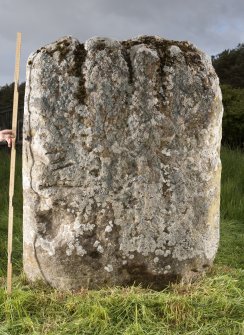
x=121 y=170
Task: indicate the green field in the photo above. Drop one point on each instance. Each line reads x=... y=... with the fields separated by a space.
x=213 y=305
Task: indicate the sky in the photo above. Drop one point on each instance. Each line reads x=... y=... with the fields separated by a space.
x=212 y=25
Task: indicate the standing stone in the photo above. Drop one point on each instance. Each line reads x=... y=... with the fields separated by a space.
x=121 y=166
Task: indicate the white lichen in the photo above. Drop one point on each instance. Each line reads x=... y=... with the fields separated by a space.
x=108 y=229
x=100 y=249
x=108 y=268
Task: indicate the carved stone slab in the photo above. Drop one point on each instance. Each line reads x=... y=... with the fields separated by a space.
x=121 y=166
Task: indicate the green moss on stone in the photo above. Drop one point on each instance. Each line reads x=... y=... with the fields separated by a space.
x=76 y=70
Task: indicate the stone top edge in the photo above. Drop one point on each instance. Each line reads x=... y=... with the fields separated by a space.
x=172 y=48
x=100 y=42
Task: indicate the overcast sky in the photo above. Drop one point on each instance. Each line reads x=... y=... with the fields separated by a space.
x=212 y=25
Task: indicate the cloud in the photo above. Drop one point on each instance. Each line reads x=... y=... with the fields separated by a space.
x=212 y=25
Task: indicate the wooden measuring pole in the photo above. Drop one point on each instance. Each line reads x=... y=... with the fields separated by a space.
x=12 y=164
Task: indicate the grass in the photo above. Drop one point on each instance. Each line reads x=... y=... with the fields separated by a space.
x=212 y=305
x=231 y=251
x=17 y=203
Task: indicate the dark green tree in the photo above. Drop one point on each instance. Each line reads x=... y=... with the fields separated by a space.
x=233 y=120
x=229 y=66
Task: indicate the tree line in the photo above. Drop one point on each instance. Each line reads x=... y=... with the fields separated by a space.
x=229 y=66
x=6 y=104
